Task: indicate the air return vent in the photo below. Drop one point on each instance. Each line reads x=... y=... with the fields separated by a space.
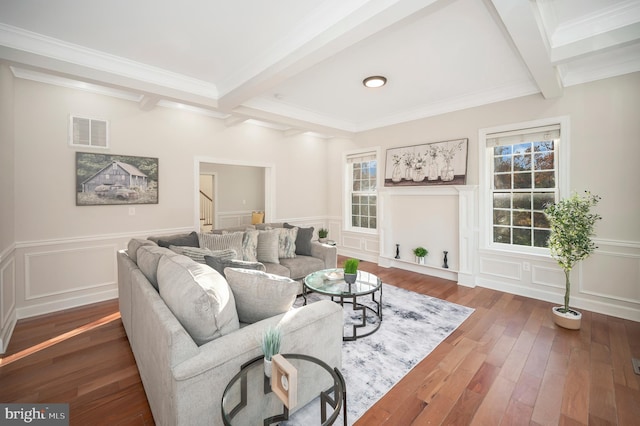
x=88 y=132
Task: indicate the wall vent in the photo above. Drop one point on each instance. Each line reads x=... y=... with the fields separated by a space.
x=88 y=132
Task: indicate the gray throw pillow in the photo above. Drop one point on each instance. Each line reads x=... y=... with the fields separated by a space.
x=190 y=240
x=250 y=245
x=287 y=242
x=267 y=250
x=303 y=239
x=219 y=264
x=199 y=297
x=217 y=242
x=148 y=259
x=198 y=254
x=259 y=295
x=134 y=245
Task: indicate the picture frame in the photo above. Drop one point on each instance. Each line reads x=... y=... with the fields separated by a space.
x=108 y=179
x=434 y=163
x=284 y=381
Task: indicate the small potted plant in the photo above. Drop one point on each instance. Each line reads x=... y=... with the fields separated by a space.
x=271 y=339
x=351 y=270
x=322 y=234
x=572 y=225
x=420 y=253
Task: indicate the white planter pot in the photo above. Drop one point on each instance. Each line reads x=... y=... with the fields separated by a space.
x=570 y=320
x=420 y=260
x=267 y=367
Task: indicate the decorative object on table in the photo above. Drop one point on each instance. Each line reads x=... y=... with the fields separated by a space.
x=105 y=179
x=445 y=264
x=322 y=234
x=271 y=339
x=351 y=270
x=284 y=381
x=420 y=253
x=572 y=225
x=436 y=163
x=397 y=251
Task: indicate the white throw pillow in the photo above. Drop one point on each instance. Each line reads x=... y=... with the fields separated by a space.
x=260 y=295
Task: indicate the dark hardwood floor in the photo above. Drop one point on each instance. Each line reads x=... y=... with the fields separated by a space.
x=507 y=364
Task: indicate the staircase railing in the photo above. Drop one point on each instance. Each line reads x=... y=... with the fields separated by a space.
x=206 y=209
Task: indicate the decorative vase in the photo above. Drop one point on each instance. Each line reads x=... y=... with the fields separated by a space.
x=420 y=260
x=570 y=320
x=418 y=175
x=396 y=175
x=433 y=170
x=447 y=172
x=445 y=265
x=267 y=367
x=350 y=278
x=407 y=173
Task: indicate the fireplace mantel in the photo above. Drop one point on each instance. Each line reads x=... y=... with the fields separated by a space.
x=466 y=196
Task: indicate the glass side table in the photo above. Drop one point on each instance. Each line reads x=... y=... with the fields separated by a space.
x=330 y=282
x=249 y=400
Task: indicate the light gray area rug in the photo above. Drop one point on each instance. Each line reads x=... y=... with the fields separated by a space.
x=412 y=326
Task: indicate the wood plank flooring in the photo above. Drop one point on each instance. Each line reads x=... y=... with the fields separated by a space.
x=506 y=365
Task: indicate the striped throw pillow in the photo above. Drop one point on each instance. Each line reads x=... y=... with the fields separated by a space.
x=216 y=242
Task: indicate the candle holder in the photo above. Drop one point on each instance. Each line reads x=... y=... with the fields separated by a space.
x=397 y=251
x=445 y=265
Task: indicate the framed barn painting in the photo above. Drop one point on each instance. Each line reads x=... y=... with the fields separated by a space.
x=105 y=179
x=437 y=163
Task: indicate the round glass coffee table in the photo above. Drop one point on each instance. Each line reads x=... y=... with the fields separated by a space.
x=249 y=400
x=330 y=282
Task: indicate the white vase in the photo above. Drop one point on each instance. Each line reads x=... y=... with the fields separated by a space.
x=420 y=260
x=267 y=367
x=570 y=320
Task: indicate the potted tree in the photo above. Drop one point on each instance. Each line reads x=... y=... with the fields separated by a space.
x=322 y=234
x=351 y=270
x=271 y=339
x=572 y=225
x=420 y=253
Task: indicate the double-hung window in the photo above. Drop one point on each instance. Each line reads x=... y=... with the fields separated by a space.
x=523 y=173
x=362 y=191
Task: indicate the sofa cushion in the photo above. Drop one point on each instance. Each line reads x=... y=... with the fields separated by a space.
x=260 y=295
x=219 y=264
x=198 y=254
x=250 y=245
x=267 y=250
x=287 y=242
x=148 y=259
x=134 y=245
x=199 y=297
x=303 y=239
x=266 y=226
x=190 y=240
x=230 y=229
x=302 y=266
x=217 y=242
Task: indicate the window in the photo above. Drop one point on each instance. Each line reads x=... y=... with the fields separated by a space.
x=362 y=172
x=523 y=176
x=88 y=132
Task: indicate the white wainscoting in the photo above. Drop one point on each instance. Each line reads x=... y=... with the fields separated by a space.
x=8 y=297
x=233 y=219
x=607 y=282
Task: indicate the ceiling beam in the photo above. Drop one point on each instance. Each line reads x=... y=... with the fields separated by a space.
x=315 y=41
x=148 y=102
x=521 y=19
x=596 y=42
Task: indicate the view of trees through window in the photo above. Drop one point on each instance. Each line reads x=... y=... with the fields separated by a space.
x=524 y=182
x=363 y=194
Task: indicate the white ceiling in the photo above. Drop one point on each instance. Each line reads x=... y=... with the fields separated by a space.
x=299 y=64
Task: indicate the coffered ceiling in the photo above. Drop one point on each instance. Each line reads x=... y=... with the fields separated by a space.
x=299 y=64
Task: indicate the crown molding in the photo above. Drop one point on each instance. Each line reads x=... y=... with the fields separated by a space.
x=29 y=42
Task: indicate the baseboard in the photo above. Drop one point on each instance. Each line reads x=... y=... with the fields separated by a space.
x=68 y=303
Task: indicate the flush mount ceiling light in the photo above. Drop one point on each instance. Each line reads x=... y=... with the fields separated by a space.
x=375 y=81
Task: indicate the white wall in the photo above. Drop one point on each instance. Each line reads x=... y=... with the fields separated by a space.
x=7 y=211
x=65 y=255
x=604 y=159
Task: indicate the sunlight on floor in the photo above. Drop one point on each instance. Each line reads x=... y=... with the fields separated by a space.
x=57 y=339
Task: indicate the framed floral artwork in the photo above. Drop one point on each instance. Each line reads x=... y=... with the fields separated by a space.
x=435 y=163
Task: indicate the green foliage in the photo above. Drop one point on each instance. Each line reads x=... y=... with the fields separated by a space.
x=572 y=225
x=351 y=266
x=271 y=339
x=323 y=232
x=420 y=251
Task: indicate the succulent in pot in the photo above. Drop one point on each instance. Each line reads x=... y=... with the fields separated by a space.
x=271 y=340
x=420 y=253
x=351 y=270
